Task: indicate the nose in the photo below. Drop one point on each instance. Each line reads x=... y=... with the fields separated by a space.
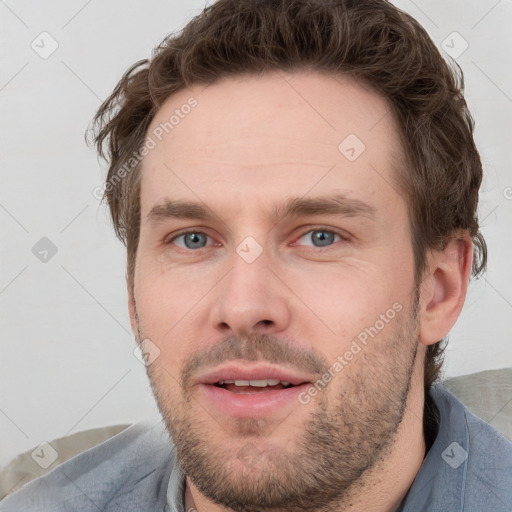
x=250 y=300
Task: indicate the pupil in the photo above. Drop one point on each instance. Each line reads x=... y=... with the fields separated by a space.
x=322 y=238
x=195 y=240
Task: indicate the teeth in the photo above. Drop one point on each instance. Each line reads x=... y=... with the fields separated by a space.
x=258 y=383
x=255 y=383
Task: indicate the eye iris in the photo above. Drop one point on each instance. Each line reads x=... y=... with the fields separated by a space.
x=194 y=240
x=322 y=238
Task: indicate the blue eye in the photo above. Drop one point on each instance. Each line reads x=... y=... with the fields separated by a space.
x=192 y=240
x=320 y=238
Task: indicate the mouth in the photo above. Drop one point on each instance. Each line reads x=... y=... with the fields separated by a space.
x=245 y=391
x=248 y=387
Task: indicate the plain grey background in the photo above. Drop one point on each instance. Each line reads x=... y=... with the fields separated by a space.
x=67 y=360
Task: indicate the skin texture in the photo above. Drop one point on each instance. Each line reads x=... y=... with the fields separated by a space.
x=250 y=145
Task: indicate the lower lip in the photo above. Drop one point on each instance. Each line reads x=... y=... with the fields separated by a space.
x=260 y=404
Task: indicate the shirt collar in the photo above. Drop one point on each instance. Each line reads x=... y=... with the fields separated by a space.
x=440 y=482
x=176 y=489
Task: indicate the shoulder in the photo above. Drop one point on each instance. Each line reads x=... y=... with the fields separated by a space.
x=130 y=471
x=489 y=470
x=485 y=455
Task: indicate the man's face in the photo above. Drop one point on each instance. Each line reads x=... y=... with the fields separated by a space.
x=290 y=261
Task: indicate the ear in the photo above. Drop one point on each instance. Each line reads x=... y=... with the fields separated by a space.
x=443 y=289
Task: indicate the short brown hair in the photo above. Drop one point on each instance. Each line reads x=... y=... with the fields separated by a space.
x=371 y=41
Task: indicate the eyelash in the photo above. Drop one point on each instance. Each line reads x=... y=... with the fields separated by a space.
x=343 y=237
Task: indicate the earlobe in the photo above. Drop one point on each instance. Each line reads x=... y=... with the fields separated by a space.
x=443 y=290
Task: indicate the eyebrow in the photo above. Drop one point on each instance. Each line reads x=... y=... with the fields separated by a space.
x=168 y=209
x=338 y=204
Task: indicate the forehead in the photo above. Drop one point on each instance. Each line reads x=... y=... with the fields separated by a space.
x=258 y=138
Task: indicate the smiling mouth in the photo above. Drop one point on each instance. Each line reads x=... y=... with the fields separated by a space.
x=263 y=392
x=249 y=387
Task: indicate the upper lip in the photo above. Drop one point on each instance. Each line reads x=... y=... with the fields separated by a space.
x=240 y=371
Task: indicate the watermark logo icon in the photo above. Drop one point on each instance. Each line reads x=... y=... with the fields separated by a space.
x=249 y=455
x=44 y=455
x=44 y=250
x=351 y=147
x=147 y=352
x=455 y=45
x=249 y=249
x=44 y=45
x=454 y=455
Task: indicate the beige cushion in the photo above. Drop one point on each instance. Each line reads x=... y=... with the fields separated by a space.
x=488 y=395
x=24 y=468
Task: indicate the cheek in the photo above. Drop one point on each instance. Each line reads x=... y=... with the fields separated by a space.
x=342 y=294
x=348 y=300
x=168 y=305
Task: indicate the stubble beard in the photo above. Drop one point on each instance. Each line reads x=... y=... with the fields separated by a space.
x=348 y=433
